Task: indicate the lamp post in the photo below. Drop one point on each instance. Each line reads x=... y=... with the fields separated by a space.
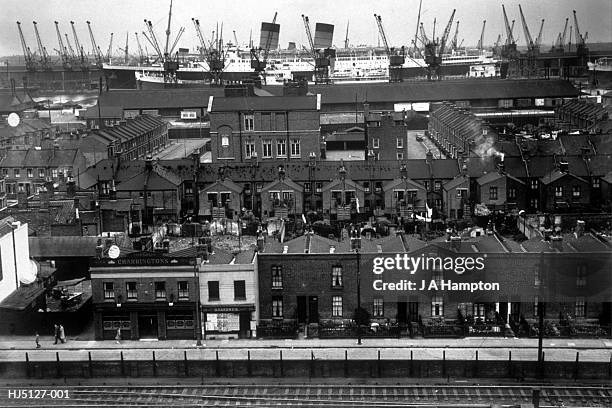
x=312 y=164
x=355 y=246
x=196 y=275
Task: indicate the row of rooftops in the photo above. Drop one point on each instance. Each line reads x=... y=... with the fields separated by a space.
x=34 y=158
x=312 y=244
x=128 y=129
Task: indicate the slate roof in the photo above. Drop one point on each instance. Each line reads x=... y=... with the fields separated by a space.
x=174 y=171
x=270 y=103
x=63 y=246
x=450 y=90
x=93 y=112
x=556 y=175
x=40 y=158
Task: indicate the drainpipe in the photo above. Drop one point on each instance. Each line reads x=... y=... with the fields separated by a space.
x=14 y=226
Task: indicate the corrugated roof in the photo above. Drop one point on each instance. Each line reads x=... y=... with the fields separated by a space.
x=444 y=91
x=269 y=103
x=159 y=99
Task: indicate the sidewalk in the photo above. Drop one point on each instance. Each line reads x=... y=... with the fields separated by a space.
x=27 y=343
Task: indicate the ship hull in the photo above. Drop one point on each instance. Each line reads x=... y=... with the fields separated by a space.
x=56 y=79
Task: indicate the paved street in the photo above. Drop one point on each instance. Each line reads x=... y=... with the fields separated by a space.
x=13 y=349
x=181 y=148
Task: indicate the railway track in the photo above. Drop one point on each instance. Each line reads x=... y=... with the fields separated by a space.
x=263 y=395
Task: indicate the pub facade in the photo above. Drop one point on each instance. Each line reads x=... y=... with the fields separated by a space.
x=145 y=295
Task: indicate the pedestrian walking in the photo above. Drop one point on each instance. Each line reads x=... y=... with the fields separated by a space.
x=37 y=340
x=56 y=331
x=62 y=334
x=118 y=336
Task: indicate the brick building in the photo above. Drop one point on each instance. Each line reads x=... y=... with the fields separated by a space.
x=250 y=128
x=27 y=171
x=146 y=295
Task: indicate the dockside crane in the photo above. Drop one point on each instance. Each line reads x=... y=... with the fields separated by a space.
x=259 y=55
x=170 y=64
x=30 y=62
x=63 y=52
x=322 y=54
x=346 y=37
x=581 y=48
x=141 y=56
x=559 y=45
x=109 y=52
x=45 y=59
x=480 y=45
x=396 y=58
x=82 y=56
x=454 y=45
x=434 y=50
x=529 y=65
x=95 y=49
x=214 y=55
x=71 y=52
x=538 y=41
x=509 y=50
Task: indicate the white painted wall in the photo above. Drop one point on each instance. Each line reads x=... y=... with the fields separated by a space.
x=22 y=250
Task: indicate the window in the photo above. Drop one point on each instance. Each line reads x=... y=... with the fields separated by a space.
x=580 y=308
x=239 y=290
x=559 y=191
x=160 y=290
x=462 y=193
x=375 y=143
x=16 y=173
x=437 y=185
x=183 y=290
x=132 y=291
x=277 y=276
x=281 y=148
x=438 y=203
x=30 y=173
x=54 y=173
x=277 y=306
x=492 y=193
x=399 y=156
x=337 y=276
x=533 y=203
x=378 y=309
x=437 y=306
x=596 y=181
x=307 y=187
x=318 y=187
x=437 y=275
x=224 y=141
x=5 y=173
x=581 y=276
x=41 y=173
x=249 y=149
x=248 y=122
x=534 y=184
x=576 y=191
x=266 y=147
x=337 y=306
x=213 y=290
x=426 y=185
x=537 y=279
x=512 y=193
x=295 y=148
x=109 y=290
x=478 y=310
x=366 y=186
x=400 y=143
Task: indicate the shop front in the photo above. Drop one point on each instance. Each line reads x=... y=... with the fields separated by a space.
x=229 y=321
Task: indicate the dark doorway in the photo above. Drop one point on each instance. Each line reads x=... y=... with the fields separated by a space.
x=402 y=316
x=302 y=311
x=413 y=311
x=313 y=309
x=515 y=311
x=503 y=311
x=147 y=326
x=245 y=325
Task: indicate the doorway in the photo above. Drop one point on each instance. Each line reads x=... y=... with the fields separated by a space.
x=313 y=309
x=147 y=326
x=302 y=311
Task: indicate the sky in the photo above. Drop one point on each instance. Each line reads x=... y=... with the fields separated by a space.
x=398 y=16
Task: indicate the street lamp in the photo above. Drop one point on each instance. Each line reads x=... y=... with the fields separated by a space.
x=356 y=246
